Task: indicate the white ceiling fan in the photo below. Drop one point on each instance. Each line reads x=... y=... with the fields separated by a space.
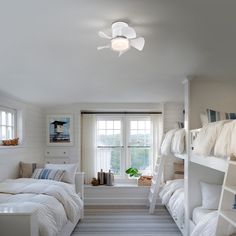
x=123 y=37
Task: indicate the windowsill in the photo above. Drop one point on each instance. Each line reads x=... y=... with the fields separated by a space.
x=2 y=147
x=116 y=186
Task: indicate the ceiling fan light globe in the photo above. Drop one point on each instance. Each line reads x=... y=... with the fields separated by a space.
x=120 y=44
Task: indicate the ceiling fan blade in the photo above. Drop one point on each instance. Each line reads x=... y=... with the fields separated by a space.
x=128 y=32
x=138 y=43
x=103 y=47
x=116 y=28
x=103 y=35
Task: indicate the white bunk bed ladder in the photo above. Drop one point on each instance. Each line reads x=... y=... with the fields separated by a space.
x=227 y=213
x=156 y=183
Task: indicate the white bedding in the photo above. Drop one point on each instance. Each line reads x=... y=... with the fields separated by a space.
x=207 y=225
x=199 y=213
x=176 y=206
x=169 y=188
x=178 y=142
x=56 y=202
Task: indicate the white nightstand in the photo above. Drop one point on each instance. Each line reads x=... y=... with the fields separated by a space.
x=17 y=220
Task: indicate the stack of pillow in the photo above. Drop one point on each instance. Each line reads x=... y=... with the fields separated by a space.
x=58 y=172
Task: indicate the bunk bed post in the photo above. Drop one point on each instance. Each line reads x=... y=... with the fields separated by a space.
x=186 y=83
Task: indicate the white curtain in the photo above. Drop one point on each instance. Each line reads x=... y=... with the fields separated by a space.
x=157 y=127
x=88 y=152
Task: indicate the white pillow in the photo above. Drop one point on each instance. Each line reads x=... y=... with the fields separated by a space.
x=206 y=138
x=210 y=195
x=70 y=171
x=204 y=119
x=225 y=139
x=178 y=142
x=166 y=144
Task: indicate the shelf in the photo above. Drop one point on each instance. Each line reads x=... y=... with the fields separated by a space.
x=212 y=162
x=231 y=189
x=230 y=216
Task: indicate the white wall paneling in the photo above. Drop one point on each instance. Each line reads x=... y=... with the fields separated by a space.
x=172 y=114
x=30 y=128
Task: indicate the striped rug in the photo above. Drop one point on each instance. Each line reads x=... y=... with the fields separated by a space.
x=126 y=221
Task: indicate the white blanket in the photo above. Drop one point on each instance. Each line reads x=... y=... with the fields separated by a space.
x=176 y=205
x=207 y=226
x=169 y=188
x=55 y=202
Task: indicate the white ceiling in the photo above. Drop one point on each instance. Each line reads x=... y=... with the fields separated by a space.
x=48 y=50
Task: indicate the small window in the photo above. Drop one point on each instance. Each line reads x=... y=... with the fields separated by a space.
x=7 y=123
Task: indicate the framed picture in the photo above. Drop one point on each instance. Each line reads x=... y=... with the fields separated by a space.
x=59 y=130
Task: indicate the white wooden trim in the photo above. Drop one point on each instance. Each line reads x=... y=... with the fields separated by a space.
x=212 y=162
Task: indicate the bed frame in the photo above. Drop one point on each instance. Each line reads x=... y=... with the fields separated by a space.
x=25 y=222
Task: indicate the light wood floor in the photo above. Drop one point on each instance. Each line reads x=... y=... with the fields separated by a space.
x=126 y=221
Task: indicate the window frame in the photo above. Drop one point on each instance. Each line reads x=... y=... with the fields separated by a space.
x=125 y=133
x=14 y=120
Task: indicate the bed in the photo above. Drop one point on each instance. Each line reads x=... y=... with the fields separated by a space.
x=58 y=205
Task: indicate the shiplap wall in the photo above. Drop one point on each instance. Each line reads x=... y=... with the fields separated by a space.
x=172 y=113
x=74 y=152
x=31 y=127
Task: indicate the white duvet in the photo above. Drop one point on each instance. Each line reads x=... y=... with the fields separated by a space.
x=55 y=202
x=207 y=226
x=169 y=188
x=176 y=206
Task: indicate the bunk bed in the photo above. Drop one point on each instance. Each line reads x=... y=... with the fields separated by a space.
x=210 y=147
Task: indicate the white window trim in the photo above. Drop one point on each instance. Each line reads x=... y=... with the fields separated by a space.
x=125 y=161
x=19 y=125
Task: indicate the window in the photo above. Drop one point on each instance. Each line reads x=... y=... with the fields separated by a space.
x=7 y=123
x=122 y=142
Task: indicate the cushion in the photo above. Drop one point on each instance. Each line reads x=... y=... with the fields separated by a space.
x=210 y=195
x=225 y=139
x=48 y=174
x=178 y=142
x=166 y=144
x=204 y=119
x=70 y=171
x=27 y=169
x=206 y=138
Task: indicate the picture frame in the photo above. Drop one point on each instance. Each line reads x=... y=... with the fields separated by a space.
x=60 y=130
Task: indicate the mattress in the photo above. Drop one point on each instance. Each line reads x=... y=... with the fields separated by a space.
x=199 y=213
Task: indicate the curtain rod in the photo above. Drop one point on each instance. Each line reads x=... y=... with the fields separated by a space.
x=121 y=112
